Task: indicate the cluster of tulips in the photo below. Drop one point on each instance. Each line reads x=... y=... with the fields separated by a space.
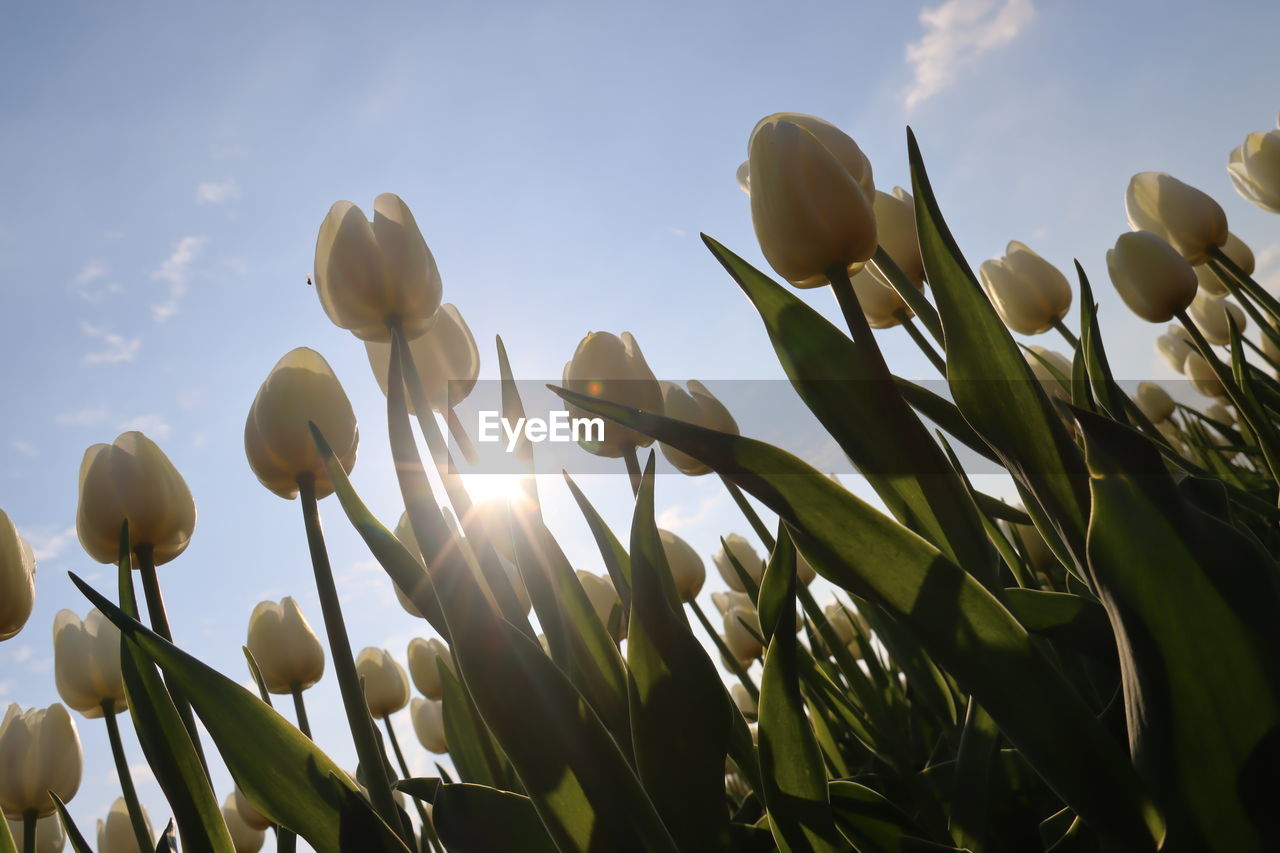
x=1096 y=669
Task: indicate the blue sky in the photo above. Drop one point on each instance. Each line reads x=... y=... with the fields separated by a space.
x=165 y=168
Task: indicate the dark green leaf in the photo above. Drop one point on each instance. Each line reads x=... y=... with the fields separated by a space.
x=479 y=819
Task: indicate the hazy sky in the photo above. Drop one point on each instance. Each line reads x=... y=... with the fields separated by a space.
x=164 y=169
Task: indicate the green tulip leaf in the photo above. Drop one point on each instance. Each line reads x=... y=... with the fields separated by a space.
x=422 y=788
x=74 y=836
x=479 y=819
x=471 y=747
x=615 y=557
x=299 y=788
x=1072 y=620
x=871 y=823
x=954 y=618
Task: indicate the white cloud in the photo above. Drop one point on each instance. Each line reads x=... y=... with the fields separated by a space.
x=86 y=283
x=154 y=425
x=175 y=272
x=47 y=546
x=216 y=192
x=1267 y=268
x=25 y=448
x=956 y=33
x=82 y=417
x=115 y=348
x=678 y=517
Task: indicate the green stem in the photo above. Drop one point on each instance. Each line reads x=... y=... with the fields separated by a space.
x=145 y=554
x=633 y=467
x=362 y=730
x=300 y=708
x=145 y=842
x=1256 y=291
x=725 y=653
x=404 y=769
x=29 y=819
x=1066 y=333
x=753 y=518
x=912 y=295
x=459 y=433
x=935 y=357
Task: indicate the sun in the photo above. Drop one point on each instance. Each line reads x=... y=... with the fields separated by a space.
x=486 y=487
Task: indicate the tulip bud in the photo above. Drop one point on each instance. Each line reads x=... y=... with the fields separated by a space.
x=605 y=601
x=446 y=356
x=1154 y=402
x=1049 y=381
x=87 y=663
x=115 y=834
x=1254 y=168
x=743 y=700
x=811 y=197
x=726 y=601
x=1175 y=345
x=1239 y=253
x=613 y=369
x=1214 y=317
x=1202 y=376
x=301 y=388
x=1172 y=435
x=805 y=573
x=287 y=651
x=386 y=687
x=428 y=725
x=245 y=838
x=896 y=231
x=368 y=273
x=17 y=579
x=747 y=558
x=133 y=479
x=1028 y=292
x=423 y=655
x=742 y=633
x=743 y=176
x=840 y=622
x=39 y=752
x=1152 y=279
x=49 y=835
x=1221 y=414
x=881 y=304
x=248 y=812
x=699 y=407
x=1184 y=217
x=687 y=569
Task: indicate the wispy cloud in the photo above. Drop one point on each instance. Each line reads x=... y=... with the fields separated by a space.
x=115 y=347
x=47 y=545
x=154 y=425
x=25 y=448
x=217 y=192
x=175 y=272
x=679 y=516
x=88 y=284
x=82 y=417
x=956 y=33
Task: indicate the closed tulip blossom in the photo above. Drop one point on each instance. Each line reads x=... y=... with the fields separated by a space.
x=1254 y=168
x=245 y=838
x=1214 y=317
x=371 y=274
x=743 y=176
x=17 y=579
x=1048 y=373
x=86 y=658
x=605 y=602
x=49 y=835
x=812 y=197
x=839 y=620
x=133 y=479
x=445 y=355
x=726 y=601
x=613 y=368
x=1175 y=345
x=1239 y=253
x=1186 y=218
x=743 y=700
x=248 y=811
x=428 y=724
x=699 y=407
x=39 y=753
x=301 y=388
x=1202 y=376
x=747 y=558
x=881 y=304
x=424 y=658
x=115 y=834
x=687 y=569
x=1028 y=292
x=742 y=634
x=1150 y=276
x=896 y=231
x=286 y=649
x=386 y=687
x=805 y=573
x=1154 y=402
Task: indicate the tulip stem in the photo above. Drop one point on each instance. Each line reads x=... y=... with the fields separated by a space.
x=1256 y=291
x=753 y=517
x=907 y=289
x=145 y=842
x=404 y=772
x=935 y=358
x=1066 y=333
x=362 y=730
x=633 y=467
x=725 y=654
x=145 y=554
x=29 y=818
x=300 y=708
